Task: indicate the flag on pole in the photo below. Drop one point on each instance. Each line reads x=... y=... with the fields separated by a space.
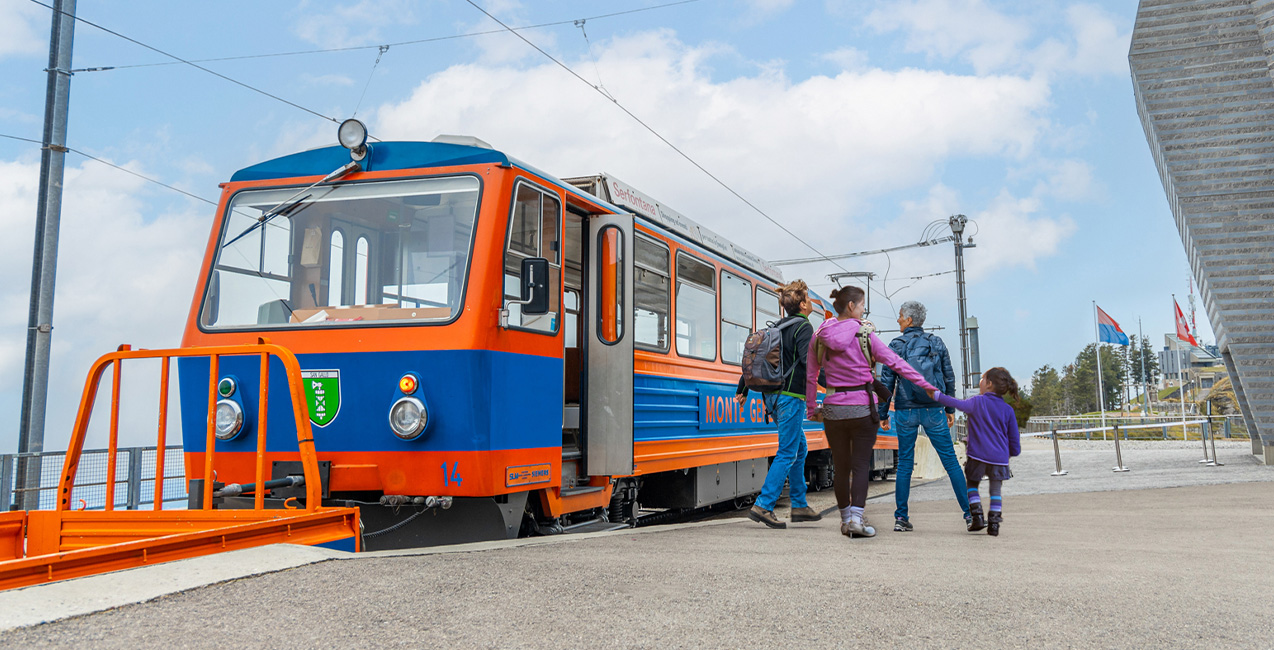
x=1183 y=327
x=1108 y=330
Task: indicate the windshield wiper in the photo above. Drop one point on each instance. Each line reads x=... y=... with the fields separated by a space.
x=290 y=206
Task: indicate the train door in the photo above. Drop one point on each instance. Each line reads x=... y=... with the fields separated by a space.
x=608 y=345
x=354 y=252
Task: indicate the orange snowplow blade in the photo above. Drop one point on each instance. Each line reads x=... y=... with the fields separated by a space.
x=66 y=544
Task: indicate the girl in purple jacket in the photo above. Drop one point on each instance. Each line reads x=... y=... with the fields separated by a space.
x=993 y=439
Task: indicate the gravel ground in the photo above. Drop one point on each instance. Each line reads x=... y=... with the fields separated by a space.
x=1165 y=568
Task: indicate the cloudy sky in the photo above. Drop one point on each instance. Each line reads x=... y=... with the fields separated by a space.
x=855 y=123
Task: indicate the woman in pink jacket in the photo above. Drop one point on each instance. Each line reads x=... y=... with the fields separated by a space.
x=849 y=412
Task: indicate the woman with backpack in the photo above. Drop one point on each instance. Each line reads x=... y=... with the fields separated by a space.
x=847 y=350
x=784 y=403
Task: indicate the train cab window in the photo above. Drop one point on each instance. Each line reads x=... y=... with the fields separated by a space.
x=767 y=307
x=534 y=228
x=651 y=265
x=696 y=308
x=340 y=255
x=336 y=279
x=736 y=316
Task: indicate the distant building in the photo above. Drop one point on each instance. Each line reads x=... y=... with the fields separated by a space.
x=1203 y=365
x=1202 y=78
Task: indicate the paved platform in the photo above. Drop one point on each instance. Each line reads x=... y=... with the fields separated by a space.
x=1175 y=567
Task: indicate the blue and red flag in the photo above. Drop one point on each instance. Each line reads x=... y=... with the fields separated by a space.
x=1108 y=330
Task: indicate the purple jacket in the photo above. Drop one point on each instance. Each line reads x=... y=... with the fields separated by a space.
x=993 y=436
x=845 y=365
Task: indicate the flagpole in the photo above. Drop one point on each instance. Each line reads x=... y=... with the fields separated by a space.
x=1181 y=382
x=1101 y=403
x=1141 y=354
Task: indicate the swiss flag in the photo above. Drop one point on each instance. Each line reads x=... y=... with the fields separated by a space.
x=1183 y=328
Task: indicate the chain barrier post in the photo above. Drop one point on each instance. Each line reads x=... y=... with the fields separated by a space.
x=1165 y=432
x=134 y=497
x=1119 y=456
x=1203 y=439
x=1215 y=462
x=1057 y=455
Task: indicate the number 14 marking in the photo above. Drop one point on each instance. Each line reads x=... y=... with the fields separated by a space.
x=453 y=475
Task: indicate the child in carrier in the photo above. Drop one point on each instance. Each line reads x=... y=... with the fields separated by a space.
x=993 y=439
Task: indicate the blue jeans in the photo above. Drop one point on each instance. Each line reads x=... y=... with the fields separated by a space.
x=789 y=463
x=934 y=420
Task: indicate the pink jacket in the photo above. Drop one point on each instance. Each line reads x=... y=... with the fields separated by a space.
x=845 y=365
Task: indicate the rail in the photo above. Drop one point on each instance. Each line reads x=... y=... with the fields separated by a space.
x=40 y=546
x=1205 y=434
x=136 y=470
x=114 y=360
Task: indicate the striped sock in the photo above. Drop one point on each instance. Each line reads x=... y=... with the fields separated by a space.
x=995 y=504
x=974 y=497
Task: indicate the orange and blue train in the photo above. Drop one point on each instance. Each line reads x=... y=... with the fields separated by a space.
x=487 y=350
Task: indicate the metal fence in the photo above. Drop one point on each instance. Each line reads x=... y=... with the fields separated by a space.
x=134 y=479
x=1139 y=427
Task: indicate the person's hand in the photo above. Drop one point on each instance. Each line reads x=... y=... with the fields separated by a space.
x=813 y=415
x=950 y=420
x=740 y=398
x=930 y=392
x=884 y=424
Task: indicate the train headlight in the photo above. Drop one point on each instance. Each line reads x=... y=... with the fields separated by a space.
x=408 y=417
x=229 y=419
x=352 y=135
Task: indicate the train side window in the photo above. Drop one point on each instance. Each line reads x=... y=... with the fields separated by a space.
x=651 y=265
x=336 y=279
x=534 y=227
x=767 y=307
x=736 y=316
x=360 y=271
x=696 y=308
x=570 y=317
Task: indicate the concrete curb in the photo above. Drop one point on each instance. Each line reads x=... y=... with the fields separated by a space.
x=69 y=598
x=58 y=600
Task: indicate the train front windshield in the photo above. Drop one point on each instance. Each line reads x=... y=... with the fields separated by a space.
x=358 y=253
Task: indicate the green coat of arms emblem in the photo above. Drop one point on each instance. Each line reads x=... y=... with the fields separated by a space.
x=322 y=395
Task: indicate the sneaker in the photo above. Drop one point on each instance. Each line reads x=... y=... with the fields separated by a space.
x=901 y=525
x=766 y=517
x=857 y=529
x=805 y=514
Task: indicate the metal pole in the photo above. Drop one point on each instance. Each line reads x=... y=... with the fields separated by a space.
x=1181 y=388
x=1119 y=456
x=44 y=262
x=6 y=482
x=1101 y=402
x=957 y=223
x=1212 y=436
x=1057 y=456
x=1145 y=385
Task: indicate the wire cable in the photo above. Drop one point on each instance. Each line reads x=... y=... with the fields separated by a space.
x=419 y=41
x=655 y=133
x=187 y=62
x=113 y=165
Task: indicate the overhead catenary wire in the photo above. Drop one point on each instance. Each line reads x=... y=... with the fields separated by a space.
x=418 y=41
x=658 y=135
x=187 y=62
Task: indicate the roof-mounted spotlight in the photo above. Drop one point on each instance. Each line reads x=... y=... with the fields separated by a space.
x=352 y=135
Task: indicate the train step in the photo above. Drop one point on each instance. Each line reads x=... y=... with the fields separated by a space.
x=587 y=489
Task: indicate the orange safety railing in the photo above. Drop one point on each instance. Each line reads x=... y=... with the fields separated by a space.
x=114 y=360
x=43 y=546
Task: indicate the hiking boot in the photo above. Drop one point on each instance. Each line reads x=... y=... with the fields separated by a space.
x=857 y=528
x=976 y=522
x=993 y=523
x=901 y=525
x=766 y=517
x=805 y=514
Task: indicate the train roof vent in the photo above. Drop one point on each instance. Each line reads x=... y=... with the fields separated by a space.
x=464 y=140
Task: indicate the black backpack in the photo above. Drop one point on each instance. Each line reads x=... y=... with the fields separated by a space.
x=763 y=358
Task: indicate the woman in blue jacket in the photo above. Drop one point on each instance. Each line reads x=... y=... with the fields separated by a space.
x=993 y=439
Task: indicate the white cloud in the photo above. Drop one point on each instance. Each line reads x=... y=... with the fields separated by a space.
x=1094 y=41
x=812 y=154
x=1011 y=234
x=350 y=24
x=19 y=28
x=123 y=277
x=970 y=29
x=848 y=58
